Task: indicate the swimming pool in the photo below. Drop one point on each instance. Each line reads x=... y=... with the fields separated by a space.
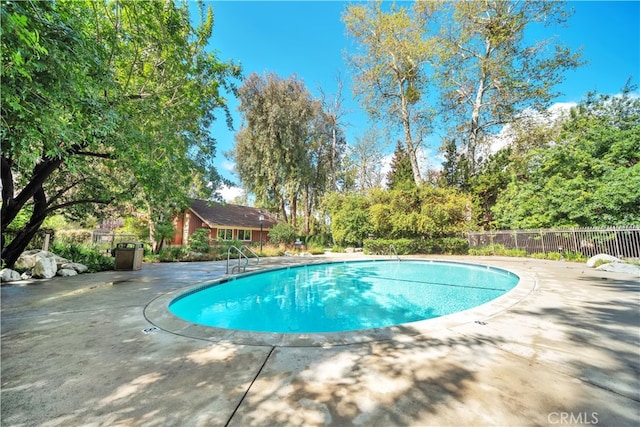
x=342 y=296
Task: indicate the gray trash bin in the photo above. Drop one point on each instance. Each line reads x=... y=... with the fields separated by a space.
x=129 y=255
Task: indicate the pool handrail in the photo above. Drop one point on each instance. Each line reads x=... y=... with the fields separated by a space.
x=242 y=255
x=391 y=247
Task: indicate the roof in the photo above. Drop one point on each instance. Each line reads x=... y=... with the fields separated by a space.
x=225 y=214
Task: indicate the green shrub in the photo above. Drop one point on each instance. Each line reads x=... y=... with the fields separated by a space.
x=315 y=249
x=443 y=245
x=199 y=240
x=538 y=256
x=555 y=256
x=574 y=256
x=72 y=237
x=84 y=254
x=172 y=254
x=282 y=233
x=338 y=249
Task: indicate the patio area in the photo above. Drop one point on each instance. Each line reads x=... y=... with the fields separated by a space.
x=82 y=351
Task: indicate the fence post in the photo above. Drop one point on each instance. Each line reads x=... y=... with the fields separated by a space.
x=542 y=240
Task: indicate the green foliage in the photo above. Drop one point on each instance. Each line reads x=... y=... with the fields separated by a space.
x=419 y=212
x=443 y=245
x=337 y=249
x=285 y=149
x=590 y=175
x=173 y=254
x=489 y=71
x=88 y=255
x=390 y=75
x=136 y=226
x=321 y=240
x=282 y=234
x=73 y=237
x=400 y=176
x=497 y=249
x=199 y=240
x=89 y=88
x=350 y=221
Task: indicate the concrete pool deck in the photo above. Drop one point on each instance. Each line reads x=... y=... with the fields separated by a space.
x=81 y=351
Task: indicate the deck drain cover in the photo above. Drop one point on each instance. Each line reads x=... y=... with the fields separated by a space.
x=480 y=322
x=150 y=330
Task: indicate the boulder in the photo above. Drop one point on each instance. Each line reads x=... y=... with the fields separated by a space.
x=45 y=268
x=620 y=267
x=601 y=257
x=26 y=275
x=26 y=260
x=9 y=275
x=66 y=272
x=79 y=268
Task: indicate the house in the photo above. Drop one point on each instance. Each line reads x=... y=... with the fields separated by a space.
x=225 y=222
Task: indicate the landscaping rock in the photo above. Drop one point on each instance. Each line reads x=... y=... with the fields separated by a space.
x=26 y=275
x=601 y=257
x=45 y=268
x=26 y=260
x=9 y=275
x=79 y=268
x=620 y=267
x=66 y=272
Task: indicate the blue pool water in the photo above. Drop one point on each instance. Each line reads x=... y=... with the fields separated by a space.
x=343 y=296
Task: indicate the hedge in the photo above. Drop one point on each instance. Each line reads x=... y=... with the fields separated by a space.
x=442 y=245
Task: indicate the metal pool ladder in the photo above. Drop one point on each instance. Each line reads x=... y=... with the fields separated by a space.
x=393 y=248
x=240 y=267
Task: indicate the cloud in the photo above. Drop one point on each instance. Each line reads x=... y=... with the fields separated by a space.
x=229 y=166
x=230 y=193
x=507 y=134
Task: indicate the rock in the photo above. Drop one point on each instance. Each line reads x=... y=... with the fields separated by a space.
x=45 y=268
x=601 y=257
x=26 y=260
x=9 y=275
x=79 y=268
x=620 y=267
x=27 y=275
x=66 y=272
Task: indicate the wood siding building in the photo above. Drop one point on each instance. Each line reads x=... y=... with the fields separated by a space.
x=224 y=222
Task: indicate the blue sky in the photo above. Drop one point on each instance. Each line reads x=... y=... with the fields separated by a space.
x=307 y=38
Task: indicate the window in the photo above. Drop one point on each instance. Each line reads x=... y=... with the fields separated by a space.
x=225 y=234
x=244 y=235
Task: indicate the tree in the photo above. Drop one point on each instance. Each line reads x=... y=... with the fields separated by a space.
x=488 y=73
x=589 y=176
x=285 y=146
x=334 y=112
x=419 y=212
x=400 y=175
x=390 y=73
x=349 y=214
x=89 y=90
x=365 y=158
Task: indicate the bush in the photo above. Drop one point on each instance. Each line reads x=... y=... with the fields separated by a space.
x=84 y=254
x=199 y=240
x=282 y=233
x=72 y=237
x=443 y=245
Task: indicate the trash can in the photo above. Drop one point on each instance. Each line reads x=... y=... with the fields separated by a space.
x=129 y=256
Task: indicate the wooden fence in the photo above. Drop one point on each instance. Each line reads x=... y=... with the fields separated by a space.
x=622 y=242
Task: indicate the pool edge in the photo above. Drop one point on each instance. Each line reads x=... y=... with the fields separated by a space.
x=158 y=314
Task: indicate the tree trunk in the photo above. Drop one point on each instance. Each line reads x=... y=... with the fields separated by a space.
x=13 y=250
x=411 y=149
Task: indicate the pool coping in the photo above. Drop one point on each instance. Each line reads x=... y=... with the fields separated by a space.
x=158 y=314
